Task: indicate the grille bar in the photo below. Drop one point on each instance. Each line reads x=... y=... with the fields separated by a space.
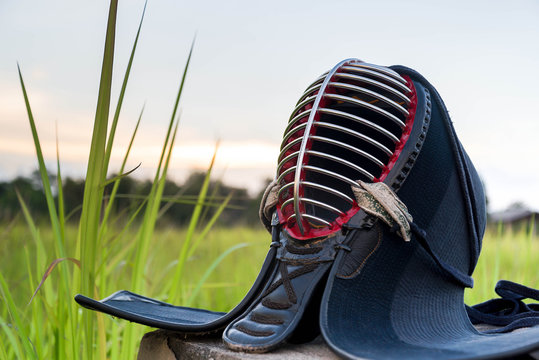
x=310 y=217
x=342 y=161
x=371 y=93
x=302 y=104
x=331 y=174
x=368 y=106
x=348 y=147
x=360 y=120
x=346 y=126
x=321 y=204
x=329 y=190
x=297 y=177
x=356 y=134
x=369 y=81
x=308 y=92
x=294 y=121
x=381 y=69
x=377 y=74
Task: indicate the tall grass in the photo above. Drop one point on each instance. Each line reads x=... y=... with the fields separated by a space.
x=505 y=255
x=242 y=251
x=53 y=325
x=516 y=256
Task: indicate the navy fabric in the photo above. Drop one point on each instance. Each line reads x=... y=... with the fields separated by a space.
x=508 y=312
x=470 y=184
x=478 y=206
x=151 y=312
x=131 y=303
x=450 y=272
x=402 y=304
x=423 y=319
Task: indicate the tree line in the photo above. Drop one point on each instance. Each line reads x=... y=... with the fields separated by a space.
x=178 y=199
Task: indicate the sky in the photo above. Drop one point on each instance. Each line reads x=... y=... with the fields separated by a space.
x=251 y=62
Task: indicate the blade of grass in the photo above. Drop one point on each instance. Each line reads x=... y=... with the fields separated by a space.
x=117 y=178
x=14 y=312
x=61 y=210
x=156 y=192
x=95 y=177
x=43 y=173
x=150 y=218
x=65 y=283
x=13 y=340
x=210 y=269
x=110 y=141
x=114 y=124
x=213 y=195
x=37 y=325
x=208 y=226
x=195 y=217
x=144 y=236
x=48 y=272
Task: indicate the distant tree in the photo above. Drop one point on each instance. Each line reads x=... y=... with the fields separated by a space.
x=73 y=192
x=178 y=199
x=30 y=192
x=517 y=205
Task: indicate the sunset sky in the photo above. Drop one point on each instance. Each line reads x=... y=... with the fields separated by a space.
x=251 y=62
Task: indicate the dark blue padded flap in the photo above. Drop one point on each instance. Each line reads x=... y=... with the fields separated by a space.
x=137 y=308
x=140 y=309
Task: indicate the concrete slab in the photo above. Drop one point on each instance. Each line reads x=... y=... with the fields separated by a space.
x=166 y=345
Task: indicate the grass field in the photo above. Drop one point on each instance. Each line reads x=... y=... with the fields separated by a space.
x=504 y=256
x=508 y=256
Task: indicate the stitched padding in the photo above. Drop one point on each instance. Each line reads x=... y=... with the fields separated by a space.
x=287 y=277
x=360 y=252
x=251 y=332
x=265 y=319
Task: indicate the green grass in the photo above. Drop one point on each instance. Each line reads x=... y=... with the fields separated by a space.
x=230 y=281
x=57 y=323
x=508 y=256
x=504 y=256
x=219 y=289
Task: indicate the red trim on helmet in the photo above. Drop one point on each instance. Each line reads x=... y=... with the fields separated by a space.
x=311 y=232
x=409 y=124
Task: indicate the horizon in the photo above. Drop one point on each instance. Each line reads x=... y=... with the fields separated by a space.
x=250 y=64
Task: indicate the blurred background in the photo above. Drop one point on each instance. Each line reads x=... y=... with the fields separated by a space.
x=251 y=62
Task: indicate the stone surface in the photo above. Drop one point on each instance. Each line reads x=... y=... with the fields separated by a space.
x=154 y=345
x=165 y=345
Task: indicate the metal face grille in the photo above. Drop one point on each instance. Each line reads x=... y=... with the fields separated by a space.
x=349 y=125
